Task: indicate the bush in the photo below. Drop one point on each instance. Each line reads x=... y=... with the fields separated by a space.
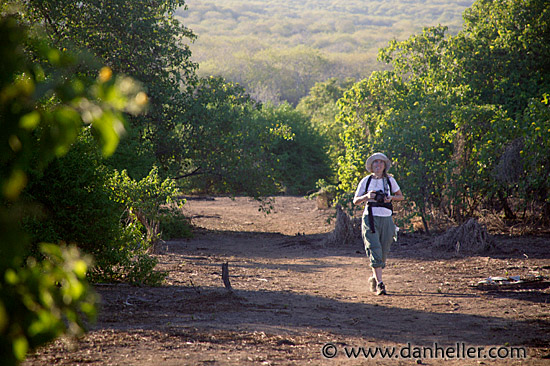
x=77 y=202
x=301 y=159
x=173 y=224
x=44 y=106
x=71 y=202
x=150 y=201
x=127 y=260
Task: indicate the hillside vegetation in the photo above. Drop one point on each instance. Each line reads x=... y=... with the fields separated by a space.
x=279 y=49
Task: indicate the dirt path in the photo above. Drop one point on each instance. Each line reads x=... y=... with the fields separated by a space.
x=293 y=295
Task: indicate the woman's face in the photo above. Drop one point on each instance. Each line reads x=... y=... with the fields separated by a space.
x=378 y=166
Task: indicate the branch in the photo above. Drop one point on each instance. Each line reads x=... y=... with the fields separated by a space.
x=50 y=22
x=194 y=172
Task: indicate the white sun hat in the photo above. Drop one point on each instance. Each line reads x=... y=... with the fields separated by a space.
x=377 y=156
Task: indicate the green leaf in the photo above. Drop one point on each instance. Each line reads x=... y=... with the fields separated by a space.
x=14 y=185
x=30 y=120
x=20 y=348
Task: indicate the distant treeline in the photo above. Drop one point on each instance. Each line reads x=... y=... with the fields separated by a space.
x=263 y=44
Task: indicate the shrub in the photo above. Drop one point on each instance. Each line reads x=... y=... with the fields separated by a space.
x=71 y=202
x=126 y=259
x=150 y=201
x=173 y=224
x=76 y=202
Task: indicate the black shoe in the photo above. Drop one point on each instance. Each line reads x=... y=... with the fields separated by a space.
x=380 y=289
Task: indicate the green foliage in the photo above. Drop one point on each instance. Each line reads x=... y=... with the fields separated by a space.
x=322 y=108
x=200 y=130
x=504 y=52
x=68 y=103
x=300 y=159
x=222 y=148
x=456 y=113
x=126 y=259
x=232 y=144
x=535 y=180
x=146 y=201
x=72 y=203
x=174 y=224
x=43 y=299
x=150 y=206
x=44 y=105
x=141 y=39
x=324 y=189
x=135 y=154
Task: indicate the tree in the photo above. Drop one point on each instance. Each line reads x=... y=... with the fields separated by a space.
x=141 y=39
x=276 y=75
x=192 y=125
x=503 y=58
x=458 y=106
x=236 y=145
x=44 y=106
x=222 y=149
x=503 y=52
x=385 y=113
x=322 y=108
x=534 y=182
x=299 y=154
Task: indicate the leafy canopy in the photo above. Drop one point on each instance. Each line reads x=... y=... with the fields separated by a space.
x=459 y=114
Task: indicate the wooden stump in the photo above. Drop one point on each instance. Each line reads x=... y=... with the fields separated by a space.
x=322 y=201
x=225 y=276
x=346 y=231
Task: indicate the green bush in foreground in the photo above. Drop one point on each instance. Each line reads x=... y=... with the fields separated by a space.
x=44 y=105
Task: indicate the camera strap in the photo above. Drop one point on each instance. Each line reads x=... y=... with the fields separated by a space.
x=370 y=205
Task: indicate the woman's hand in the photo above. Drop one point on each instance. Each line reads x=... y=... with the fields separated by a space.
x=364 y=198
x=371 y=195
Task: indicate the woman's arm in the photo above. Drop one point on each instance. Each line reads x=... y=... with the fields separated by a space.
x=360 y=199
x=370 y=195
x=397 y=196
x=357 y=200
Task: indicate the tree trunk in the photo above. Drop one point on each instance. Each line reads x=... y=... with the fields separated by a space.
x=508 y=213
x=425 y=223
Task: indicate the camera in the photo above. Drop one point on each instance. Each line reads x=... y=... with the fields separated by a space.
x=380 y=196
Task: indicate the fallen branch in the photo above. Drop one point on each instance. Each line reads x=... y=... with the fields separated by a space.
x=194 y=287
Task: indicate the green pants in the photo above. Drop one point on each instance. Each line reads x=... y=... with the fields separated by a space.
x=377 y=244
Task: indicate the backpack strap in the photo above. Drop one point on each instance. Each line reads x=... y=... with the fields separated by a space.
x=367 y=185
x=370 y=205
x=389 y=185
x=369 y=180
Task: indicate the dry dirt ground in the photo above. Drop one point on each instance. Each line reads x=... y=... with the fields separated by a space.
x=294 y=298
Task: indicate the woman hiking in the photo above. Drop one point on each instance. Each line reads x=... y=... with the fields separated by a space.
x=378 y=190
